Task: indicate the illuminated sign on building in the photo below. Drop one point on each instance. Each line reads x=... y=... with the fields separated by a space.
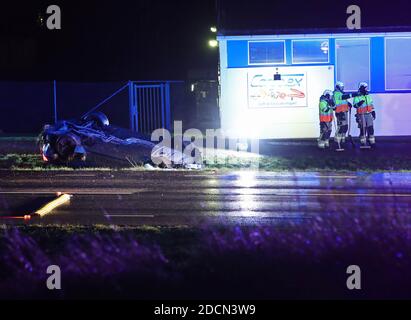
x=265 y=92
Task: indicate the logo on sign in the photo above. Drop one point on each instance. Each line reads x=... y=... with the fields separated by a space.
x=265 y=92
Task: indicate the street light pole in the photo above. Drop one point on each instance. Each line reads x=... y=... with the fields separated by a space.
x=218 y=9
x=55 y=101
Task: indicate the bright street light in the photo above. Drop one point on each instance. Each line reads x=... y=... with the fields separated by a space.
x=213 y=43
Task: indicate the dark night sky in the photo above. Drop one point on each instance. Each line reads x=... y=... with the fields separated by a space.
x=153 y=39
x=108 y=40
x=285 y=14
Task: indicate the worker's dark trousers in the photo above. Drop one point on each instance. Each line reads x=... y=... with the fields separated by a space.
x=342 y=124
x=366 y=125
x=326 y=130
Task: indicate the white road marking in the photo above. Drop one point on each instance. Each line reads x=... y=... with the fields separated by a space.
x=360 y=195
x=337 y=177
x=202 y=176
x=76 y=175
x=129 y=216
x=274 y=176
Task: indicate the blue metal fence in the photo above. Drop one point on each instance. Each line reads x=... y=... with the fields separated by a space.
x=27 y=106
x=149 y=106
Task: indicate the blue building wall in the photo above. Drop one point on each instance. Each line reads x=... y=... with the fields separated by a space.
x=238 y=55
x=377 y=64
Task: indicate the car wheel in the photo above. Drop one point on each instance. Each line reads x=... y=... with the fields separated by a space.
x=65 y=146
x=100 y=119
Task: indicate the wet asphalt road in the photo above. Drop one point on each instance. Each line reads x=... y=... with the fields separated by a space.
x=196 y=198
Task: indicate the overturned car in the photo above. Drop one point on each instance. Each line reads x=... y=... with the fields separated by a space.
x=92 y=140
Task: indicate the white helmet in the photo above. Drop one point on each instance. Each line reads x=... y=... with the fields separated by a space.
x=363 y=85
x=340 y=86
x=328 y=93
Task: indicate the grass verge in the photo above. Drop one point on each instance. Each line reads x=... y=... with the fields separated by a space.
x=326 y=162
x=305 y=259
x=15 y=138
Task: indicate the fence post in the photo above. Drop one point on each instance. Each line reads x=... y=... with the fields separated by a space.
x=133 y=112
x=168 y=108
x=163 y=108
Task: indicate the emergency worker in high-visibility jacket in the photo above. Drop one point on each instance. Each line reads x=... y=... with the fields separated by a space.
x=342 y=108
x=326 y=119
x=365 y=114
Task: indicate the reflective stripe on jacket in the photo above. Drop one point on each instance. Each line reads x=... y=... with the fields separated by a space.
x=368 y=105
x=340 y=104
x=326 y=112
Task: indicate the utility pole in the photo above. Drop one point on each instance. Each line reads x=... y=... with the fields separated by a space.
x=218 y=11
x=55 y=101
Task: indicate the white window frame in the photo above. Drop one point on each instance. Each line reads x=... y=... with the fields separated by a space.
x=308 y=62
x=385 y=63
x=267 y=63
x=369 y=58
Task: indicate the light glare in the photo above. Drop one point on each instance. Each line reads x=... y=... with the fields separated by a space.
x=213 y=43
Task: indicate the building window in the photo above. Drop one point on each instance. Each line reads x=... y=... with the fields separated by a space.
x=311 y=51
x=353 y=62
x=267 y=52
x=397 y=64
